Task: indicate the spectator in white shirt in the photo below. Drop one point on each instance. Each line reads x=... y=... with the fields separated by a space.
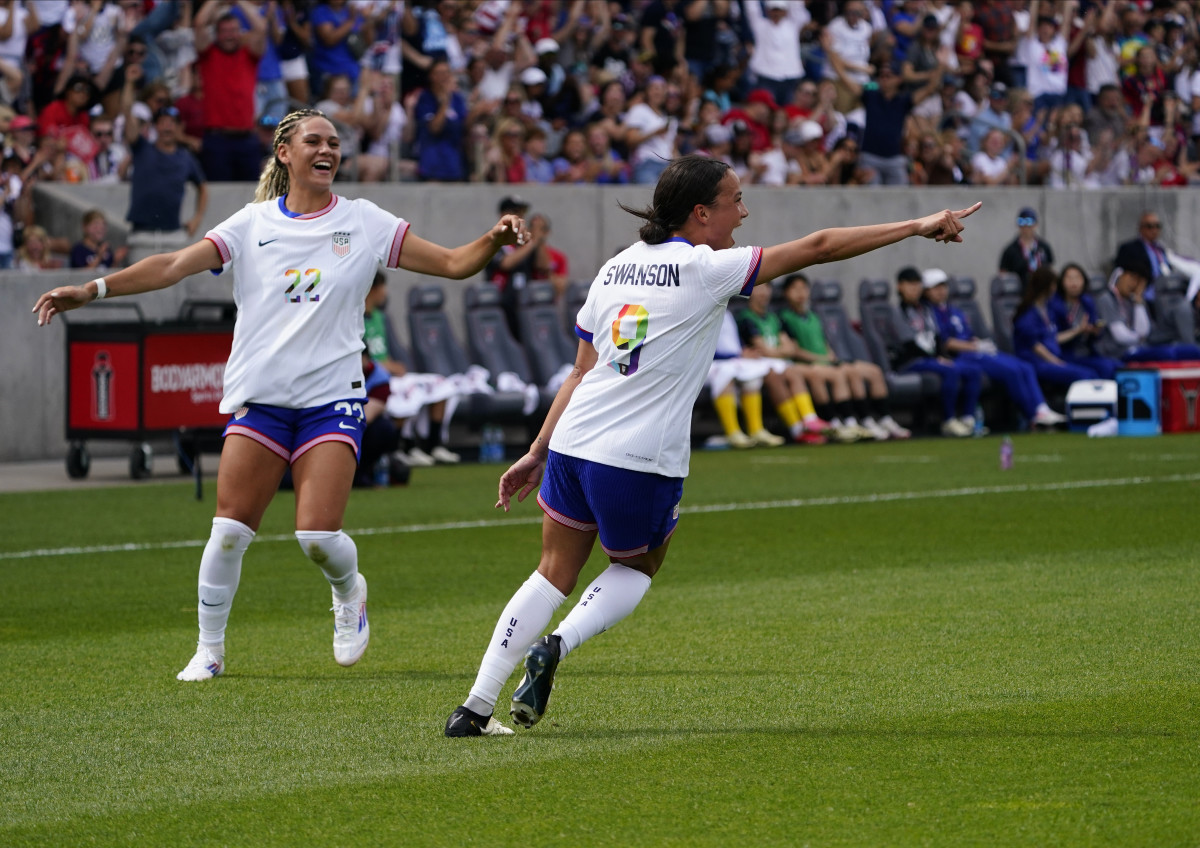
x=1043 y=52
x=775 y=61
x=990 y=167
x=849 y=35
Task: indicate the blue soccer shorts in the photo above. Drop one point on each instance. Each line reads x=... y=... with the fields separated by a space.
x=293 y=432
x=634 y=511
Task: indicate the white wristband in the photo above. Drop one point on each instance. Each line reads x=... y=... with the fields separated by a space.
x=101 y=288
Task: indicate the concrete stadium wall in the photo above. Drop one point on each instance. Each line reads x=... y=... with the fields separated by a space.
x=588 y=225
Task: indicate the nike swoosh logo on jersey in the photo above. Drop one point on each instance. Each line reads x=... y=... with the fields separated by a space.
x=262 y=243
x=346 y=426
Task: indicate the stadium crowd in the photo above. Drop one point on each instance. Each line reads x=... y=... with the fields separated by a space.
x=1059 y=92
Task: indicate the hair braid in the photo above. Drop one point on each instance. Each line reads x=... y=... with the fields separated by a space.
x=273 y=182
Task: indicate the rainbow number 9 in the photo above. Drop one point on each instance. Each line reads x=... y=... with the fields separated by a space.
x=629 y=333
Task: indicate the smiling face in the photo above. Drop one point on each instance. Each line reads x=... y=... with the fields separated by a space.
x=725 y=214
x=312 y=154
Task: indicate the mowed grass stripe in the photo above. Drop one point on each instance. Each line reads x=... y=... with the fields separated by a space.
x=791 y=503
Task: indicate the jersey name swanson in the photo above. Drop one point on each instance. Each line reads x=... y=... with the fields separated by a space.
x=632 y=274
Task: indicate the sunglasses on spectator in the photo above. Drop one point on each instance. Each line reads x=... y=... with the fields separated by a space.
x=1152 y=225
x=102 y=133
x=1026 y=222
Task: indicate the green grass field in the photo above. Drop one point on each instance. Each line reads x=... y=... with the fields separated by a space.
x=892 y=644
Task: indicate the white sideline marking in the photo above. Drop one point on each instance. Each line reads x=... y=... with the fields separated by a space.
x=846 y=500
x=778 y=460
x=1038 y=457
x=906 y=460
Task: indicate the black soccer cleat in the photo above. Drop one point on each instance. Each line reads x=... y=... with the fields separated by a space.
x=532 y=696
x=463 y=722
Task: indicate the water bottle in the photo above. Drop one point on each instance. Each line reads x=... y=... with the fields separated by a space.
x=1006 y=454
x=383 y=472
x=979 y=421
x=497 y=444
x=490 y=447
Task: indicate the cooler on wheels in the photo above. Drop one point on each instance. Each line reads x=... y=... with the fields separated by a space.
x=134 y=379
x=1180 y=392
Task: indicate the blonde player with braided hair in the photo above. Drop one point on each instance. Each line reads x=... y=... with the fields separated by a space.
x=302 y=260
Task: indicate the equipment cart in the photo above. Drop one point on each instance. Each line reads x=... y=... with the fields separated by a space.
x=133 y=379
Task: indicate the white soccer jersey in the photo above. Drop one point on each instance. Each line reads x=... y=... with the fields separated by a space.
x=299 y=282
x=653 y=314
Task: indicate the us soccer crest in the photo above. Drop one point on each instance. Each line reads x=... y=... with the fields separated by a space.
x=341 y=244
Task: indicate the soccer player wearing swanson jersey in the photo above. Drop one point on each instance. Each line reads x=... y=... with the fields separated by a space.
x=614 y=446
x=303 y=260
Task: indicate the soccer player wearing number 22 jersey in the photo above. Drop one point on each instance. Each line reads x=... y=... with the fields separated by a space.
x=302 y=261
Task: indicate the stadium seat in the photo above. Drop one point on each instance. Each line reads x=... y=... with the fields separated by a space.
x=962 y=296
x=577 y=293
x=491 y=342
x=826 y=299
x=435 y=350
x=1005 y=296
x=884 y=330
x=546 y=346
x=488 y=338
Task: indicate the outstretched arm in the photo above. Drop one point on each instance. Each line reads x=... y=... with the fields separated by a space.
x=840 y=243
x=458 y=263
x=160 y=271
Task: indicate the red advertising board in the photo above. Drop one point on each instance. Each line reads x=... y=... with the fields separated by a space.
x=182 y=379
x=103 y=390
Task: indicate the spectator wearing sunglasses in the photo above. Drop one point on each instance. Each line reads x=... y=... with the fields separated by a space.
x=1026 y=253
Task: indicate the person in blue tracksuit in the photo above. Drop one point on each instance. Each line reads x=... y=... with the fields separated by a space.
x=1037 y=339
x=1017 y=376
x=925 y=352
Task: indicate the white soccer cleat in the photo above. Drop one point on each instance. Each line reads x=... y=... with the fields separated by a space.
x=445 y=456
x=1047 y=417
x=767 y=439
x=739 y=440
x=350 y=629
x=417 y=458
x=894 y=430
x=205 y=665
x=878 y=432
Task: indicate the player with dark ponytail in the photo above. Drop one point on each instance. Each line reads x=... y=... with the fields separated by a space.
x=612 y=454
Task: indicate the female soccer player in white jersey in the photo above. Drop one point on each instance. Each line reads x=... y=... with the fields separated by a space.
x=303 y=259
x=614 y=447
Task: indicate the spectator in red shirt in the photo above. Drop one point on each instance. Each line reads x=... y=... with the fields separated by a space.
x=550 y=263
x=67 y=123
x=756 y=115
x=228 y=68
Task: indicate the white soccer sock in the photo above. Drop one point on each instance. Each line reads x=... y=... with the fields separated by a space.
x=610 y=597
x=336 y=555
x=220 y=571
x=522 y=622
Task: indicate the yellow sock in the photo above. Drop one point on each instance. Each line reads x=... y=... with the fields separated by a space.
x=805 y=406
x=789 y=413
x=726 y=406
x=752 y=409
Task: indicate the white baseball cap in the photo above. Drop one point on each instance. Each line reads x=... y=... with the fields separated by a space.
x=545 y=45
x=533 y=76
x=933 y=277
